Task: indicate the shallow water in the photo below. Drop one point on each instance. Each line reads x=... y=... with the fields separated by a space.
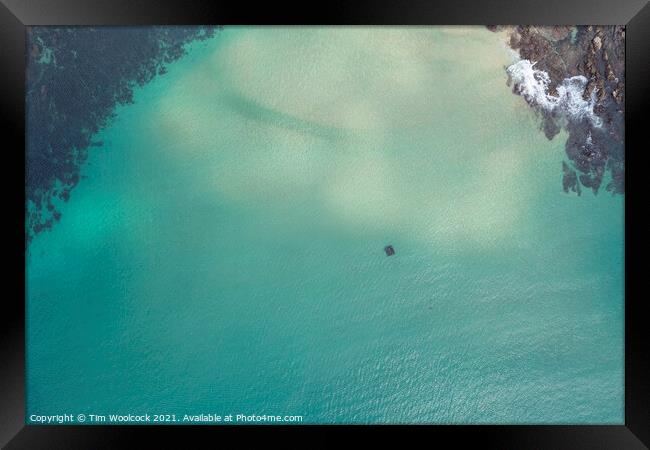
x=224 y=253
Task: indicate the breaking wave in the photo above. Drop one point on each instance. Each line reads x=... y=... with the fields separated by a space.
x=532 y=84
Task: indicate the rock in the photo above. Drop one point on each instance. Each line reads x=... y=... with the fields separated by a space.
x=597 y=43
x=570 y=180
x=598 y=54
x=610 y=73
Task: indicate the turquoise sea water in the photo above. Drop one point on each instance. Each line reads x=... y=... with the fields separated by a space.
x=224 y=252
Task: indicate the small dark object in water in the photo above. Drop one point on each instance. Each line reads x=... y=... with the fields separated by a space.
x=389 y=250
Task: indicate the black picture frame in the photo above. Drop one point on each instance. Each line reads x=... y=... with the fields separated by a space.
x=15 y=15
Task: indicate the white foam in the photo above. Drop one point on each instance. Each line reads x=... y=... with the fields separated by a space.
x=532 y=84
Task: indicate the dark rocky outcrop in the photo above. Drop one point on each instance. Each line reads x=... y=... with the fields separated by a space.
x=598 y=54
x=75 y=78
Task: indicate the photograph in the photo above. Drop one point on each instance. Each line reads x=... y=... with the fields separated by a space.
x=325 y=225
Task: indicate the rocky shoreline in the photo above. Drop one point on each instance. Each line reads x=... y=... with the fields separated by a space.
x=566 y=61
x=76 y=76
